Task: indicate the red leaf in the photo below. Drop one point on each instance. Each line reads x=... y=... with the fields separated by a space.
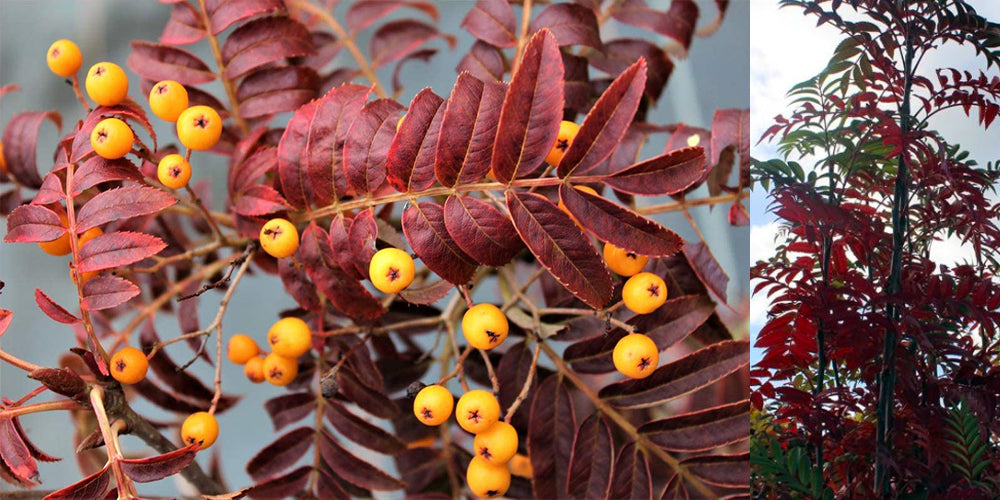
x=468 y=130
x=364 y=13
x=532 y=110
x=105 y=292
x=5 y=318
x=189 y=387
x=694 y=371
x=184 y=26
x=223 y=13
x=117 y=249
x=578 y=89
x=618 y=225
x=368 y=398
x=731 y=127
x=668 y=173
x=257 y=165
x=289 y=408
x=483 y=61
x=96 y=170
x=481 y=231
x=493 y=22
x=20 y=138
x=149 y=469
x=410 y=161
x=281 y=486
x=33 y=223
x=701 y=430
x=703 y=262
x=298 y=285
x=427 y=294
x=678 y=23
x=88 y=488
x=590 y=463
x=269 y=91
x=561 y=247
x=263 y=41
x=361 y=236
x=606 y=123
x=550 y=437
x=367 y=144
x=571 y=24
x=361 y=431
x=157 y=62
x=353 y=469
x=16 y=455
x=424 y=227
x=631 y=479
x=341 y=247
x=344 y=293
x=622 y=53
x=281 y=454
x=259 y=200
x=398 y=39
x=51 y=190
x=121 y=203
x=53 y=310
x=730 y=471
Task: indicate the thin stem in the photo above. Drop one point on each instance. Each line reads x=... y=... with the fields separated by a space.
x=227 y=84
x=348 y=42
x=458 y=366
x=18 y=362
x=489 y=370
x=681 y=205
x=206 y=214
x=521 y=396
x=62 y=404
x=79 y=95
x=27 y=397
x=522 y=39
x=111 y=444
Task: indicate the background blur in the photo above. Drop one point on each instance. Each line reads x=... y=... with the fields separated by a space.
x=714 y=76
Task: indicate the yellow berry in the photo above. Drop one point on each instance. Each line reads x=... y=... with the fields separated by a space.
x=477 y=411
x=254 y=369
x=168 y=99
x=241 y=349
x=622 y=261
x=520 y=465
x=636 y=356
x=59 y=246
x=498 y=444
x=64 y=58
x=200 y=428
x=391 y=270
x=567 y=131
x=106 y=84
x=199 y=128
x=173 y=171
x=129 y=365
x=484 y=326
x=433 y=405
x=487 y=480
x=279 y=238
x=280 y=370
x=112 y=138
x=289 y=337
x=644 y=293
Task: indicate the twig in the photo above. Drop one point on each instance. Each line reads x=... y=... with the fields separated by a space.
x=458 y=366
x=527 y=384
x=18 y=362
x=489 y=369
x=111 y=444
x=75 y=82
x=62 y=404
x=522 y=39
x=681 y=205
x=241 y=260
x=206 y=214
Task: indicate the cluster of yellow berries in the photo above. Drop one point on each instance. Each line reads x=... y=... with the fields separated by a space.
x=289 y=338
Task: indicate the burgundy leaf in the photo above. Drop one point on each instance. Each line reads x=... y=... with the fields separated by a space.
x=281 y=486
x=184 y=26
x=364 y=13
x=410 y=159
x=367 y=398
x=561 y=247
x=281 y=454
x=53 y=310
x=398 y=39
x=424 y=227
x=297 y=284
x=532 y=110
x=468 y=129
x=618 y=225
x=60 y=381
x=257 y=165
x=117 y=249
x=668 y=173
x=703 y=262
x=165 y=399
x=68 y=384
x=731 y=127
x=694 y=371
x=187 y=319
x=289 y=408
x=330 y=487
x=512 y=372
x=427 y=294
x=121 y=203
x=88 y=488
x=701 y=430
x=360 y=431
x=362 y=235
x=269 y=91
x=631 y=479
x=367 y=144
x=606 y=123
x=33 y=223
x=578 y=88
x=730 y=471
x=157 y=62
x=16 y=455
x=51 y=190
x=341 y=247
x=263 y=41
x=571 y=24
x=493 y=22
x=678 y=23
x=483 y=61
x=353 y=469
x=622 y=53
x=550 y=438
x=259 y=200
x=223 y=13
x=481 y=231
x=147 y=470
x=106 y=291
x=20 y=138
x=187 y=385
x=344 y=293
x=593 y=455
x=96 y=170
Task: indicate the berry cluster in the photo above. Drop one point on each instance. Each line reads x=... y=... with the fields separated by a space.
x=288 y=338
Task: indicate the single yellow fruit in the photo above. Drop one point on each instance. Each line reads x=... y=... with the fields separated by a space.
x=391 y=270
x=280 y=370
x=106 y=84
x=200 y=428
x=622 y=261
x=484 y=326
x=279 y=238
x=289 y=337
x=487 y=480
x=567 y=131
x=433 y=405
x=254 y=369
x=644 y=293
x=129 y=365
x=112 y=138
x=173 y=171
x=636 y=356
x=199 y=128
x=477 y=411
x=241 y=349
x=498 y=444
x=64 y=58
x=168 y=99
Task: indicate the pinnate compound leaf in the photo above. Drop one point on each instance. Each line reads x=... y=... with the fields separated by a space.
x=353 y=469
x=33 y=223
x=106 y=291
x=631 y=479
x=593 y=456
x=493 y=22
x=20 y=139
x=701 y=430
x=367 y=144
x=561 y=247
x=730 y=471
x=410 y=160
x=551 y=429
x=570 y=23
x=669 y=173
x=677 y=23
x=694 y=371
x=280 y=486
x=606 y=123
x=289 y=408
x=618 y=225
x=481 y=231
x=361 y=431
x=156 y=62
x=147 y=470
x=281 y=454
x=468 y=130
x=118 y=249
x=425 y=230
x=54 y=310
x=532 y=110
x=121 y=203
x=344 y=293
x=88 y=488
x=703 y=262
x=263 y=41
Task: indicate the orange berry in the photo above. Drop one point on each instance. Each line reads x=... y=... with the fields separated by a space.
x=289 y=337
x=254 y=369
x=64 y=58
x=168 y=99
x=567 y=131
x=391 y=270
x=280 y=370
x=484 y=326
x=106 y=84
x=433 y=405
x=498 y=444
x=173 y=171
x=112 y=138
x=477 y=411
x=520 y=465
x=89 y=235
x=644 y=293
x=636 y=356
x=200 y=428
x=129 y=365
x=199 y=127
x=82 y=277
x=622 y=261
x=241 y=349
x=279 y=238
x=487 y=480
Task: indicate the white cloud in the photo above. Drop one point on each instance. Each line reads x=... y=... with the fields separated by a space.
x=951 y=251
